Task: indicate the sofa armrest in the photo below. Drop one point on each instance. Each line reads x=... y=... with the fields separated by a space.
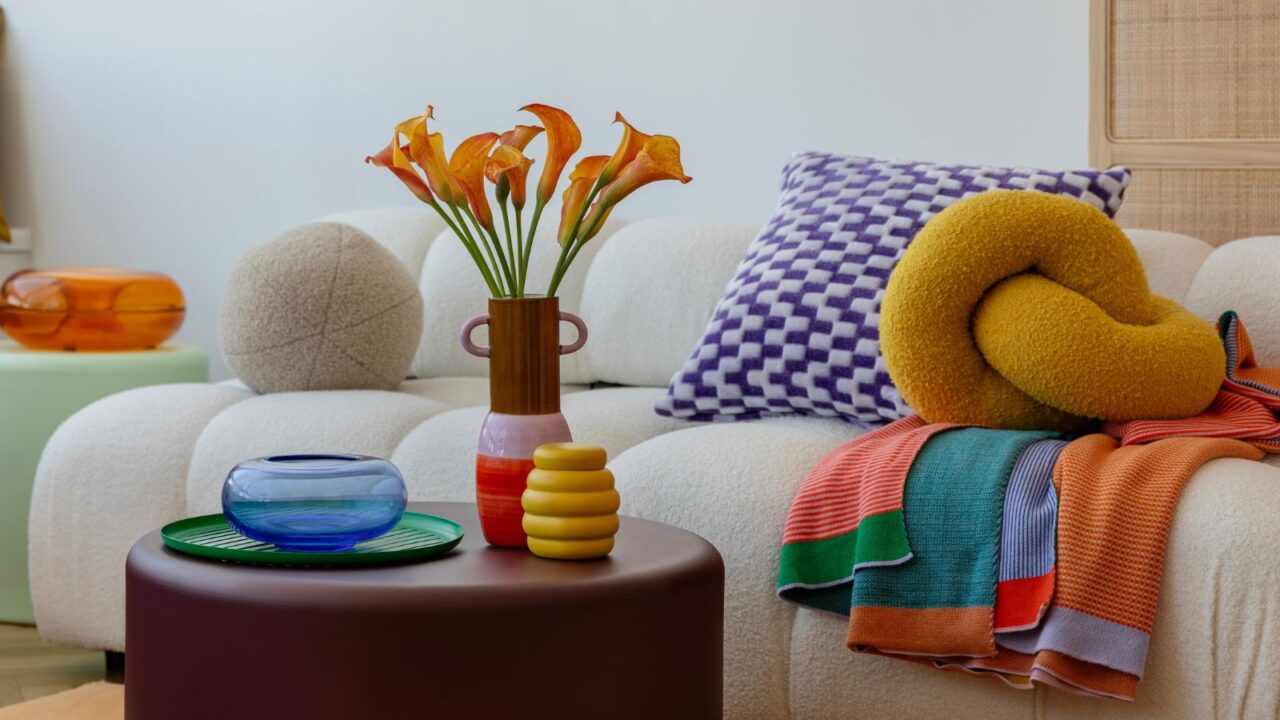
x=111 y=473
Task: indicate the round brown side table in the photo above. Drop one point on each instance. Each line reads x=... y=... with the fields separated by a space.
x=479 y=633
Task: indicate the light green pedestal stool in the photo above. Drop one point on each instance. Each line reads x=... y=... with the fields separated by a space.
x=38 y=390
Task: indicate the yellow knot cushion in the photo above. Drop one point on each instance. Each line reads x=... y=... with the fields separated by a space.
x=1019 y=309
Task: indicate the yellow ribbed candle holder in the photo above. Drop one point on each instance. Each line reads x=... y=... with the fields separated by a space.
x=570 y=504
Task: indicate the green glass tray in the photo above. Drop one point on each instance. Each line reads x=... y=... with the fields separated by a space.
x=416 y=537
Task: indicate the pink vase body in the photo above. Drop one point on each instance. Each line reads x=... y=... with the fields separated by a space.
x=524 y=400
x=503 y=462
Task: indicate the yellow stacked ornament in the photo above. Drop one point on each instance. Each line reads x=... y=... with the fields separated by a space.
x=570 y=505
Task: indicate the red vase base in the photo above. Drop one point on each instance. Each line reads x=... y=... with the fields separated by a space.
x=500 y=482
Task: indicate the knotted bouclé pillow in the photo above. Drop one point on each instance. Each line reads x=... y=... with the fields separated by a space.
x=1028 y=310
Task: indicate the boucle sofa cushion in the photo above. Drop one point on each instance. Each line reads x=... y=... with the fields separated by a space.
x=1243 y=275
x=798 y=327
x=453 y=292
x=677 y=269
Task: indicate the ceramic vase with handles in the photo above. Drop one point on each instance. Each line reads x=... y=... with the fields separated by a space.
x=524 y=404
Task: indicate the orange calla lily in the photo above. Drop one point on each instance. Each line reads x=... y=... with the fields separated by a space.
x=658 y=159
x=510 y=165
x=395 y=157
x=466 y=169
x=454 y=185
x=519 y=136
x=574 y=198
x=427 y=150
x=632 y=142
x=563 y=140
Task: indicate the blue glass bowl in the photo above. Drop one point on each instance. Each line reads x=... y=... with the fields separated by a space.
x=313 y=503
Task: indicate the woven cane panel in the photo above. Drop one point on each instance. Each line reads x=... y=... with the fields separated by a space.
x=1184 y=69
x=1215 y=205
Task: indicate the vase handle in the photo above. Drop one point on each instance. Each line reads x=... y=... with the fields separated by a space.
x=467 y=329
x=582 y=333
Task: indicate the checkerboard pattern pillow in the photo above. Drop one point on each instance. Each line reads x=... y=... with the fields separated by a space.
x=798 y=328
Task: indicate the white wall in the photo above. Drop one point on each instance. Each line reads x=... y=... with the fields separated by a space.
x=174 y=134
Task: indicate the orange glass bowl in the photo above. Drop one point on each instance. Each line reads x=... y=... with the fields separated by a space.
x=90 y=309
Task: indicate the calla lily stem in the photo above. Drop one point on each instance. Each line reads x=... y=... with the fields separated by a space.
x=471 y=248
x=528 y=242
x=571 y=243
x=523 y=263
x=491 y=240
x=511 y=251
x=493 y=260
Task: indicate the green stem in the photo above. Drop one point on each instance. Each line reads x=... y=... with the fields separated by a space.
x=528 y=241
x=573 y=255
x=566 y=257
x=511 y=252
x=492 y=239
x=502 y=292
x=471 y=249
x=520 y=249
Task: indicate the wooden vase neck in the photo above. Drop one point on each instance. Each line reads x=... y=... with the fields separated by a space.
x=524 y=355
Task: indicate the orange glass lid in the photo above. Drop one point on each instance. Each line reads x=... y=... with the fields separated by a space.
x=91 y=289
x=90 y=309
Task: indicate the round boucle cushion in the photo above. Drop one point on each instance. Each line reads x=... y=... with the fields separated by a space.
x=321 y=307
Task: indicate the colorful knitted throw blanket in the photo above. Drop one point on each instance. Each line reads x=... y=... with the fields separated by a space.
x=1013 y=554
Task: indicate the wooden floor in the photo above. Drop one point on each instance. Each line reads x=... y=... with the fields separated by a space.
x=30 y=667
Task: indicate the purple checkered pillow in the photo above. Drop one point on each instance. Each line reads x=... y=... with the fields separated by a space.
x=798 y=328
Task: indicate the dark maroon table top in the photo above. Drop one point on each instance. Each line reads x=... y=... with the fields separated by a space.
x=646 y=557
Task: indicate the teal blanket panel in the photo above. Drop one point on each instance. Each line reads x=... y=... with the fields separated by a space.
x=952 y=507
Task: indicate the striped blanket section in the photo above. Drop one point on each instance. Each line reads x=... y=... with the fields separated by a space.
x=847 y=515
x=1245 y=407
x=1014 y=554
x=1113 y=521
x=1027 y=539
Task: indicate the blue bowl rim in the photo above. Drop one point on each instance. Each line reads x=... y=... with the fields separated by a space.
x=286 y=464
x=337 y=458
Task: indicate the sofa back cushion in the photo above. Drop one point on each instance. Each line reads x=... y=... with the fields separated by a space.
x=645 y=290
x=650 y=289
x=649 y=292
x=797 y=330
x=453 y=292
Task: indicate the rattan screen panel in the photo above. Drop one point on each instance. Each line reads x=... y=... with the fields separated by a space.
x=1215 y=205
x=1187 y=93
x=1188 y=69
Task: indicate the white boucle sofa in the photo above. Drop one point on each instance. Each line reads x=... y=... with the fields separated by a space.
x=136 y=460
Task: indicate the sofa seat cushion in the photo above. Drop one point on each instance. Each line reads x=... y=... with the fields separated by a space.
x=361 y=422
x=461 y=391
x=438 y=457
x=456 y=392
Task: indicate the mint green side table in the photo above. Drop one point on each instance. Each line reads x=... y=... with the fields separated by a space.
x=38 y=390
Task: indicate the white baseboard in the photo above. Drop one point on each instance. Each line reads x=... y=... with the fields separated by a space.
x=21 y=241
